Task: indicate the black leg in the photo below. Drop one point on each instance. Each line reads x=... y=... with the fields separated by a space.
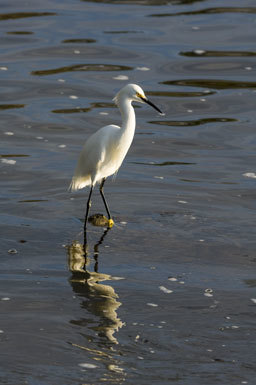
x=103 y=197
x=89 y=202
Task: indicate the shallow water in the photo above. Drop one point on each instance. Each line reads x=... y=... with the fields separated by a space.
x=168 y=294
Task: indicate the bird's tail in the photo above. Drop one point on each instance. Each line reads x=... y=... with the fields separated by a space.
x=72 y=186
x=78 y=183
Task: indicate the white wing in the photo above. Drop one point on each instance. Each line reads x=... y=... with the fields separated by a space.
x=98 y=158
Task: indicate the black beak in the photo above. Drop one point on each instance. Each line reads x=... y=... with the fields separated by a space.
x=152 y=105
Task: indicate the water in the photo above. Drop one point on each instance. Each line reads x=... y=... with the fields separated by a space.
x=168 y=294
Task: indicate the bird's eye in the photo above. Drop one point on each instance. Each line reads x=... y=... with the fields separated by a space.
x=139 y=95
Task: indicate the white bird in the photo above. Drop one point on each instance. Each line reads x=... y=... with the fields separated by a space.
x=105 y=150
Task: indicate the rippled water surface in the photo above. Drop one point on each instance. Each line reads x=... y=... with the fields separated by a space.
x=168 y=294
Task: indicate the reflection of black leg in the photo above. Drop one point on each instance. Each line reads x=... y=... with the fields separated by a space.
x=96 y=249
x=86 y=216
x=103 y=197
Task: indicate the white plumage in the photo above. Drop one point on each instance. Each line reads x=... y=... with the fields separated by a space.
x=105 y=150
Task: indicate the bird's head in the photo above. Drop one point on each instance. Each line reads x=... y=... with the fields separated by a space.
x=134 y=93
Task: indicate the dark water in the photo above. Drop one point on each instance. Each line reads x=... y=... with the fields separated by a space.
x=168 y=295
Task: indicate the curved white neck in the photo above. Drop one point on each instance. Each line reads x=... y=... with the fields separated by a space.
x=128 y=115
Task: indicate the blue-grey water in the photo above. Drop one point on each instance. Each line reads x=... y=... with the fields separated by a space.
x=168 y=294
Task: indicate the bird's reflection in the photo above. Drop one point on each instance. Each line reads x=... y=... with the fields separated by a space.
x=97 y=298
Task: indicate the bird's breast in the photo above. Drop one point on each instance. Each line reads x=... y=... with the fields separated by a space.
x=114 y=155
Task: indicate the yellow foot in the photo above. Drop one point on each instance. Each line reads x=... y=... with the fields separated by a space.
x=101 y=221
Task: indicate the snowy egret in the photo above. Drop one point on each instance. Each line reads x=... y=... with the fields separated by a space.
x=105 y=150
